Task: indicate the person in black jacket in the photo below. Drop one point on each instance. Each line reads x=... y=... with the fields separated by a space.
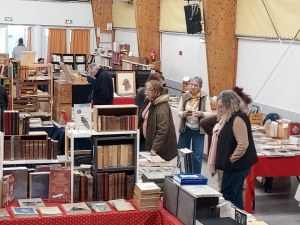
x=103 y=86
x=232 y=148
x=3 y=98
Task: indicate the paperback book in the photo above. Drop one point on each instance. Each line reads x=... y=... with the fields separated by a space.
x=99 y=206
x=31 y=202
x=4 y=215
x=76 y=208
x=50 y=211
x=24 y=212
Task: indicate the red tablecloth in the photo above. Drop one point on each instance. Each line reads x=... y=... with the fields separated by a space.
x=137 y=217
x=269 y=167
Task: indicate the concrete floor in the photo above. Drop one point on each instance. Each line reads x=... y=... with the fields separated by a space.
x=275 y=207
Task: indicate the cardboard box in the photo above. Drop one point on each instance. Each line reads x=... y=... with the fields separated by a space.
x=256 y=118
x=283 y=132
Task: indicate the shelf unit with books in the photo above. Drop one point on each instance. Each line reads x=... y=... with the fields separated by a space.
x=114 y=166
x=55 y=59
x=104 y=61
x=115 y=117
x=80 y=62
x=131 y=65
x=71 y=135
x=27 y=93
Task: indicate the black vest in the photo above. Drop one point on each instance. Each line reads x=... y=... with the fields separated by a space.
x=227 y=145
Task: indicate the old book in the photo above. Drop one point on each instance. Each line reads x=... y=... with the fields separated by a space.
x=89 y=184
x=8 y=186
x=24 y=212
x=76 y=208
x=50 y=211
x=59 y=185
x=99 y=206
x=100 y=157
x=130 y=154
x=111 y=186
x=4 y=215
x=82 y=187
x=76 y=186
x=17 y=148
x=105 y=155
x=122 y=205
x=124 y=155
x=146 y=188
x=129 y=186
x=39 y=185
x=114 y=156
x=31 y=202
x=46 y=168
x=21 y=181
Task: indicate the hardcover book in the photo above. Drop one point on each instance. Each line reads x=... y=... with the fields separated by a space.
x=50 y=211
x=60 y=185
x=99 y=206
x=76 y=208
x=8 y=182
x=24 y=212
x=31 y=202
x=39 y=185
x=190 y=179
x=21 y=181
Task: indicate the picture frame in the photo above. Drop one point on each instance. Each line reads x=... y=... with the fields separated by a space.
x=125 y=85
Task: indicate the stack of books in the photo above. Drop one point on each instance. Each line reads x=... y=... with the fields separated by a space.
x=157 y=177
x=191 y=179
x=147 y=196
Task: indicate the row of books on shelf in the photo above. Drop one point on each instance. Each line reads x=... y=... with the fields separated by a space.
x=22 y=148
x=11 y=69
x=68 y=58
x=114 y=155
x=12 y=122
x=117 y=123
x=114 y=186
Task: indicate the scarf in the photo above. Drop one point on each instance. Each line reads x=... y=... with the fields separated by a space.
x=213 y=148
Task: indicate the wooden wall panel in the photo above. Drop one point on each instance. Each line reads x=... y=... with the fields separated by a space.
x=102 y=14
x=221 y=44
x=147 y=14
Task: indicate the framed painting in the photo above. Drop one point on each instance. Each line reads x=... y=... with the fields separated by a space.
x=125 y=85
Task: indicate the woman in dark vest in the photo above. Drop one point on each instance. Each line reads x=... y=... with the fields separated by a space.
x=232 y=148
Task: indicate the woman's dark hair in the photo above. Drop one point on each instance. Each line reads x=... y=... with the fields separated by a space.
x=155 y=76
x=246 y=98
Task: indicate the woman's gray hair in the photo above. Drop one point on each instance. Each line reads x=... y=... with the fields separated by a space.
x=156 y=86
x=231 y=103
x=198 y=80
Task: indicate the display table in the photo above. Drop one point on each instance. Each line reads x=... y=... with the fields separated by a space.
x=137 y=217
x=269 y=167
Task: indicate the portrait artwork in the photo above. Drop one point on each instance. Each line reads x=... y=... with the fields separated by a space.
x=126 y=83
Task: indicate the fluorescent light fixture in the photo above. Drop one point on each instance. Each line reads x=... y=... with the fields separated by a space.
x=69 y=21
x=8 y=18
